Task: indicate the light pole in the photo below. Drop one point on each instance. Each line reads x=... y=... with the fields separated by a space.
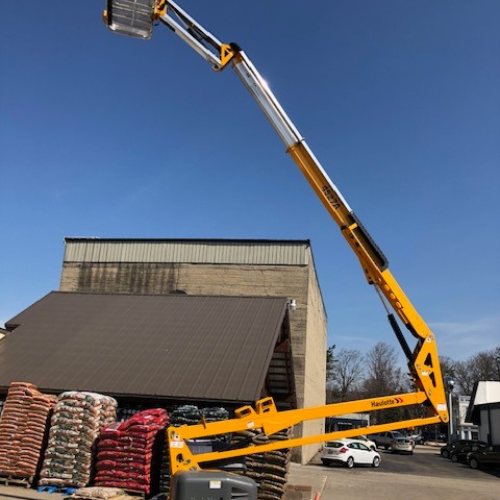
x=449 y=383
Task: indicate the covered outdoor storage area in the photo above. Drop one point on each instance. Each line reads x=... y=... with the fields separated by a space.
x=196 y=357
x=153 y=350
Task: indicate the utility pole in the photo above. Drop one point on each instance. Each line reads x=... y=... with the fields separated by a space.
x=449 y=384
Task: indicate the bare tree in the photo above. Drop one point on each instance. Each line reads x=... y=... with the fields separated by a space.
x=448 y=367
x=383 y=375
x=484 y=365
x=496 y=355
x=347 y=374
x=383 y=378
x=331 y=361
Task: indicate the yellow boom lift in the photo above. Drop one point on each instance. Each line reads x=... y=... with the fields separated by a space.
x=136 y=18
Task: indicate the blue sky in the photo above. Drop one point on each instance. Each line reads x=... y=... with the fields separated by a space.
x=105 y=136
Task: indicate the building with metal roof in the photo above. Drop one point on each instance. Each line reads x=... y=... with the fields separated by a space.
x=217 y=267
x=171 y=349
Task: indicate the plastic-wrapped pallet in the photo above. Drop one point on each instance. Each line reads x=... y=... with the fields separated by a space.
x=77 y=419
x=127 y=452
x=23 y=427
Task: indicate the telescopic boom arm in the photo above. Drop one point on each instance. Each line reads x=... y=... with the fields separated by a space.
x=123 y=17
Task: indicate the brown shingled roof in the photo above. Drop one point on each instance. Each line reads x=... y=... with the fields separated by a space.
x=177 y=346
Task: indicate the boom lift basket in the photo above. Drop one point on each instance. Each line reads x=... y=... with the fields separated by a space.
x=131 y=17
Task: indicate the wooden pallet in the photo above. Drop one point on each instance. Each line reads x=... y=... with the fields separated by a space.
x=65 y=490
x=135 y=493
x=10 y=480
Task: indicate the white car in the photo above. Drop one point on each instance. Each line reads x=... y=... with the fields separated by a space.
x=349 y=452
x=371 y=444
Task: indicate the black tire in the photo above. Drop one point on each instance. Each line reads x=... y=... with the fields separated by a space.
x=473 y=463
x=386 y=447
x=454 y=458
x=350 y=463
x=376 y=462
x=325 y=462
x=445 y=454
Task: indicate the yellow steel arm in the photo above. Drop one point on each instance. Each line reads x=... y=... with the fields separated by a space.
x=267 y=418
x=424 y=364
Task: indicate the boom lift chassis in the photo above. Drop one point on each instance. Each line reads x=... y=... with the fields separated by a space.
x=136 y=18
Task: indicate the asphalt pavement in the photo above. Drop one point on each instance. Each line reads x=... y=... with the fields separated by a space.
x=425 y=475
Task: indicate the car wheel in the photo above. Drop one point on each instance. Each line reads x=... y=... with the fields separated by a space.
x=445 y=453
x=474 y=464
x=454 y=458
x=325 y=462
x=350 y=463
x=376 y=462
x=386 y=447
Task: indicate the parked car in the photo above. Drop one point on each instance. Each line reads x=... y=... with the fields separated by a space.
x=417 y=438
x=458 y=445
x=371 y=444
x=433 y=436
x=402 y=445
x=485 y=457
x=349 y=452
x=460 y=453
x=385 y=439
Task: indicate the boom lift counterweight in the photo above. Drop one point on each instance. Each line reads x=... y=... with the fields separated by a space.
x=136 y=18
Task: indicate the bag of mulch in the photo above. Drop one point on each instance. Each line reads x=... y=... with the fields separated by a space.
x=97 y=493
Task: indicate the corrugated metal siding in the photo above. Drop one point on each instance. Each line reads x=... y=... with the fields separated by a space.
x=187 y=251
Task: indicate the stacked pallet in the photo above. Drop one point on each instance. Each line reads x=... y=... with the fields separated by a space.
x=23 y=427
x=216 y=414
x=181 y=415
x=270 y=469
x=164 y=474
x=96 y=493
x=76 y=422
x=126 y=452
x=186 y=415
